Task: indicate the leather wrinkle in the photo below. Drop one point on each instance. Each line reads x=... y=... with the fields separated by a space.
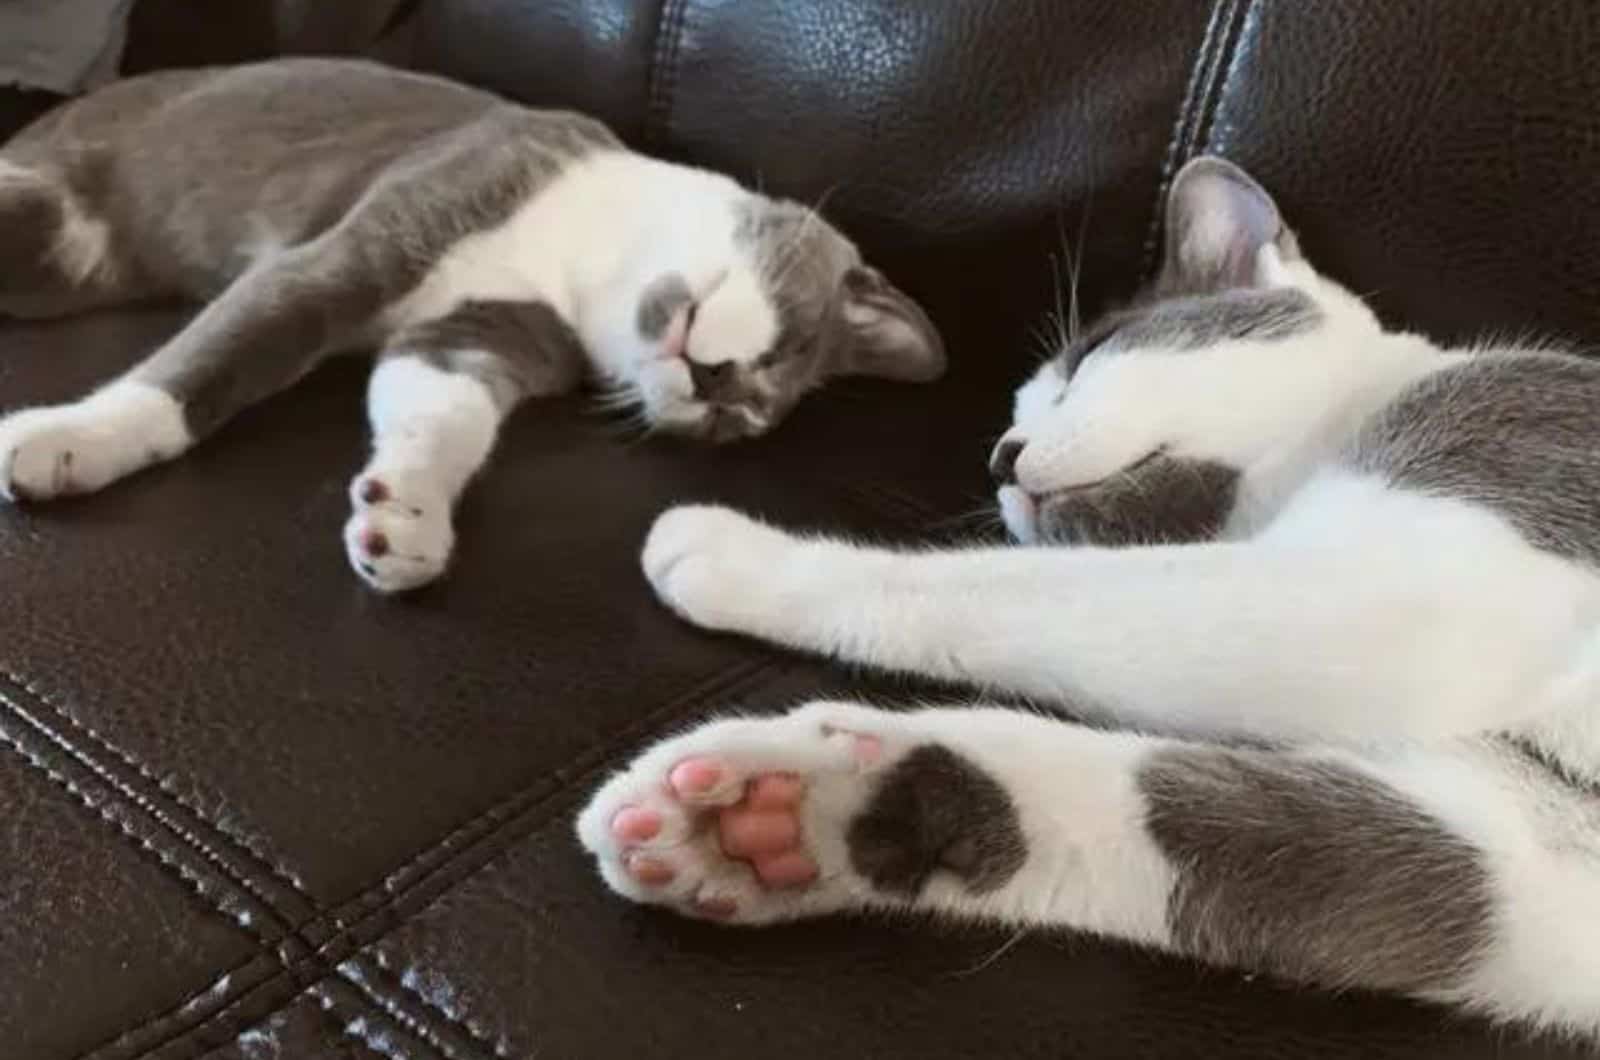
x=319 y=963
x=663 y=76
x=1191 y=131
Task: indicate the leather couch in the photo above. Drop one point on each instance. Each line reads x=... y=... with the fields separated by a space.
x=248 y=809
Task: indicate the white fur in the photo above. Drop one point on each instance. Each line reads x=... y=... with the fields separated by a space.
x=592 y=242
x=1394 y=630
x=82 y=446
x=431 y=432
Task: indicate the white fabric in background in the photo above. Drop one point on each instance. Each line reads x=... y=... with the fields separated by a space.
x=64 y=46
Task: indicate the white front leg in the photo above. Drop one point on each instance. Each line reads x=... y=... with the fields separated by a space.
x=1386 y=636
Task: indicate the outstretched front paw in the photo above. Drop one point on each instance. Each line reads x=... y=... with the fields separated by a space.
x=714 y=566
x=400 y=535
x=832 y=807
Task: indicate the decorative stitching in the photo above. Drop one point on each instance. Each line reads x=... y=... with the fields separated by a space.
x=143 y=1022
x=664 y=70
x=353 y=971
x=492 y=821
x=1204 y=89
x=164 y=786
x=395 y=977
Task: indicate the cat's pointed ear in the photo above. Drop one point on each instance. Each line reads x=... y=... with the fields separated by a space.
x=1218 y=221
x=886 y=334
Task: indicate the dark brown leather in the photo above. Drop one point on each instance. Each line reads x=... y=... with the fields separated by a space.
x=254 y=811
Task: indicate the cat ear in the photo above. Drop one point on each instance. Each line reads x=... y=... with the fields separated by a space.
x=1218 y=222
x=886 y=334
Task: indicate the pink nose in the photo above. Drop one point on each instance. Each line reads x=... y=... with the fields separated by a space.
x=675 y=343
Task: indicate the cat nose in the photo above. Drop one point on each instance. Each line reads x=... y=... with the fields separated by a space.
x=1003 y=461
x=710 y=380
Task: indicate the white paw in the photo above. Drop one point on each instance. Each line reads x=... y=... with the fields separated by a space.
x=712 y=565
x=744 y=820
x=401 y=534
x=79 y=448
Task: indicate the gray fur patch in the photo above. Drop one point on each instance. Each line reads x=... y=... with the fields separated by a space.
x=1161 y=499
x=1311 y=871
x=935 y=811
x=1195 y=322
x=307 y=246
x=660 y=303
x=1518 y=433
x=516 y=349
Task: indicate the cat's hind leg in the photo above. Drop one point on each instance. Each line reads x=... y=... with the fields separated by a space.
x=269 y=328
x=1434 y=873
x=436 y=400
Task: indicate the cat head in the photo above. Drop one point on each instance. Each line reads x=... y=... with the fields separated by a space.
x=792 y=306
x=1138 y=429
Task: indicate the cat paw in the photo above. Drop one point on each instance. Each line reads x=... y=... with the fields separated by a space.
x=400 y=536
x=60 y=450
x=708 y=563
x=833 y=807
x=744 y=821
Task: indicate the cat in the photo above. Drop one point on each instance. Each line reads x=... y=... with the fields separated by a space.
x=1328 y=594
x=491 y=252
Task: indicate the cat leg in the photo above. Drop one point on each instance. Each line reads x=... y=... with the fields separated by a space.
x=1393 y=616
x=267 y=330
x=435 y=403
x=1414 y=874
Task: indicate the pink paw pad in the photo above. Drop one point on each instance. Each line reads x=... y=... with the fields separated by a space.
x=635 y=824
x=695 y=776
x=373 y=543
x=651 y=872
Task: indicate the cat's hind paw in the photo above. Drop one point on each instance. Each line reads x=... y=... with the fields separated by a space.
x=744 y=821
x=400 y=535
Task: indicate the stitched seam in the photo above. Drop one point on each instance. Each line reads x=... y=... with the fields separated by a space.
x=729 y=680
x=513 y=830
x=1180 y=146
x=394 y=978
x=43 y=698
x=354 y=1029
x=1227 y=66
x=188 y=838
x=736 y=676
x=277 y=972
x=664 y=69
x=281 y=976
x=228 y=871
x=409 y=1020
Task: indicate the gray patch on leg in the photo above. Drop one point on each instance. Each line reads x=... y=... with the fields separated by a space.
x=1313 y=872
x=1160 y=499
x=1515 y=432
x=935 y=811
x=516 y=349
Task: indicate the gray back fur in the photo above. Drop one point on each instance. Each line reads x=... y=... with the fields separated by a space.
x=1518 y=433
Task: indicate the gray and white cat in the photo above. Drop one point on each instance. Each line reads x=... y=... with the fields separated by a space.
x=1353 y=674
x=491 y=252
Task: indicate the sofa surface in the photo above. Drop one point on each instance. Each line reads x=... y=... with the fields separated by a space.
x=252 y=810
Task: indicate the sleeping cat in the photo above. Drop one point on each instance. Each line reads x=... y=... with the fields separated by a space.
x=1351 y=669
x=491 y=252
